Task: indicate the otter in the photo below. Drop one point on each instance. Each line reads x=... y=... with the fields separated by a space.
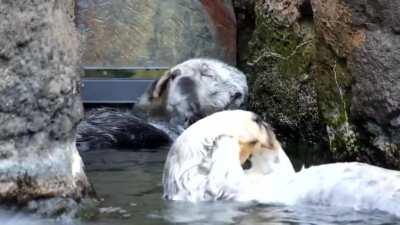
x=184 y=94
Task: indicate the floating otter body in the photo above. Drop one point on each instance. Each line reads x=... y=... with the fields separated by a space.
x=184 y=94
x=206 y=163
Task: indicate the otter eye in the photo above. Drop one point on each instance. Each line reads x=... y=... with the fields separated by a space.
x=206 y=75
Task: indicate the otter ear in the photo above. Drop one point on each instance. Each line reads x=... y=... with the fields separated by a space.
x=161 y=84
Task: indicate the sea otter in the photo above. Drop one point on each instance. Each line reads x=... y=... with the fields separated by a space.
x=186 y=93
x=207 y=163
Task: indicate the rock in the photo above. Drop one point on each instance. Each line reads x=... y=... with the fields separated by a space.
x=357 y=70
x=245 y=19
x=327 y=71
x=156 y=32
x=279 y=59
x=39 y=106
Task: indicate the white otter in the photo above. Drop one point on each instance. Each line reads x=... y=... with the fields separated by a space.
x=205 y=163
x=194 y=89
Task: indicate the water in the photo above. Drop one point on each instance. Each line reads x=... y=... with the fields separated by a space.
x=130 y=185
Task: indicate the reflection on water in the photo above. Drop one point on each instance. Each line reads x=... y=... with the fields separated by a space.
x=130 y=184
x=203 y=213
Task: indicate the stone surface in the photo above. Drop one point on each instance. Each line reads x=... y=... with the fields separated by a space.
x=327 y=71
x=278 y=63
x=358 y=73
x=156 y=32
x=39 y=106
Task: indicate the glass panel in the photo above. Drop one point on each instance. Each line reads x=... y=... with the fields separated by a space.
x=135 y=38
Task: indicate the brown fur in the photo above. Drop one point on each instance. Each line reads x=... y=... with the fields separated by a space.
x=154 y=103
x=246 y=149
x=162 y=83
x=266 y=141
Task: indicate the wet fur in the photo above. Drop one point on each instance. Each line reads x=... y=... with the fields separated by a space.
x=108 y=128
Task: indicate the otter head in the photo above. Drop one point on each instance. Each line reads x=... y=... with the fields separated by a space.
x=260 y=151
x=194 y=89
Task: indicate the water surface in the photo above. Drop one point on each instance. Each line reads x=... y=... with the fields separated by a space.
x=130 y=185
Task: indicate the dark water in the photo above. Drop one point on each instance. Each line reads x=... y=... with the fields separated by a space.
x=130 y=186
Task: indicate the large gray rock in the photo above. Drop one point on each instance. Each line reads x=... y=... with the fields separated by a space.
x=376 y=70
x=156 y=32
x=39 y=106
x=358 y=78
x=329 y=64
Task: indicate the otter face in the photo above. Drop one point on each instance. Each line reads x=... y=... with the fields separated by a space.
x=261 y=151
x=197 y=88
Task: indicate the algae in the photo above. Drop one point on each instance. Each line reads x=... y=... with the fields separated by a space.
x=279 y=65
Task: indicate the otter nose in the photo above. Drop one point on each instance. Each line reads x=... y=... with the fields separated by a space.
x=237 y=95
x=233 y=102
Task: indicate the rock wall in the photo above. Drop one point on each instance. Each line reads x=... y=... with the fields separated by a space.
x=279 y=61
x=156 y=32
x=358 y=74
x=326 y=74
x=39 y=107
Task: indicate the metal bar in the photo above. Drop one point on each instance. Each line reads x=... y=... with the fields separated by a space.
x=124 y=72
x=124 y=68
x=112 y=91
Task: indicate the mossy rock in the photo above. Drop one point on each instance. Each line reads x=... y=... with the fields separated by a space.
x=281 y=83
x=324 y=74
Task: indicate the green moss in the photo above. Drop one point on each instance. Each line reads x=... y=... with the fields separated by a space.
x=333 y=82
x=282 y=86
x=300 y=82
x=280 y=62
x=288 y=49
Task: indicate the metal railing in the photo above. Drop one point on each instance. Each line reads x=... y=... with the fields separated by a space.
x=116 y=85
